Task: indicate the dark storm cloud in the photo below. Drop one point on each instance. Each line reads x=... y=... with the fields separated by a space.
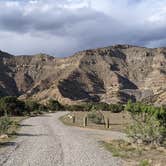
x=54 y=20
x=63 y=27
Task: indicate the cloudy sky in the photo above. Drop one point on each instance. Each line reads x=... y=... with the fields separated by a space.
x=62 y=27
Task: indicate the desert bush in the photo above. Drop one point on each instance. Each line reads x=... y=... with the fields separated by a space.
x=54 y=105
x=101 y=106
x=148 y=123
x=5 y=123
x=31 y=106
x=11 y=106
x=42 y=108
x=144 y=163
x=160 y=114
x=115 y=108
x=147 y=132
x=75 y=108
x=139 y=110
x=95 y=117
x=96 y=106
x=34 y=108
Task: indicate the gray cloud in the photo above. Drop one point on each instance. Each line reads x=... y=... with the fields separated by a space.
x=63 y=27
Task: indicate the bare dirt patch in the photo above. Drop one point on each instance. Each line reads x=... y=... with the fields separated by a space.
x=117 y=121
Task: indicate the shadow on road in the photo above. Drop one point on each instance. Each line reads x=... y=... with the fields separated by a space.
x=25 y=125
x=4 y=144
x=29 y=135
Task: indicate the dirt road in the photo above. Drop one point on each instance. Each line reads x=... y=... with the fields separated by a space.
x=45 y=141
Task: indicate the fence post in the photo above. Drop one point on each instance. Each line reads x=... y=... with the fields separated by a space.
x=73 y=119
x=107 y=123
x=85 y=121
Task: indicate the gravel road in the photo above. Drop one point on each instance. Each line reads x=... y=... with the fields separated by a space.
x=45 y=141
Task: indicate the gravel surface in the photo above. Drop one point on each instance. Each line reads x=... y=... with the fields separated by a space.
x=45 y=141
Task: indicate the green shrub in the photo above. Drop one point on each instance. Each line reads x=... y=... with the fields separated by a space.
x=115 y=108
x=160 y=114
x=96 y=106
x=12 y=106
x=148 y=123
x=96 y=117
x=140 y=110
x=75 y=108
x=34 y=108
x=42 y=108
x=99 y=106
x=54 y=105
x=31 y=106
x=148 y=131
x=144 y=163
x=4 y=124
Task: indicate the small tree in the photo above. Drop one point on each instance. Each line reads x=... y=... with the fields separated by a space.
x=42 y=108
x=54 y=105
x=95 y=117
x=147 y=126
x=4 y=124
x=12 y=106
x=148 y=132
x=115 y=108
x=31 y=106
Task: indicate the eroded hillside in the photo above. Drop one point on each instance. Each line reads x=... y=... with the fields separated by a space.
x=111 y=74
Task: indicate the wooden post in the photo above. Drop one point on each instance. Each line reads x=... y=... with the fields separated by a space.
x=74 y=119
x=107 y=123
x=85 y=121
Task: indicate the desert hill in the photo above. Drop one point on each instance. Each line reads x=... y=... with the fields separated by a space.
x=111 y=74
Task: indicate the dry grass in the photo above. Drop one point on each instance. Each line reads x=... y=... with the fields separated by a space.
x=12 y=129
x=118 y=121
x=136 y=155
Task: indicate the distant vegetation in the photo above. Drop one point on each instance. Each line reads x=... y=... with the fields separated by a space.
x=149 y=122
x=11 y=106
x=96 y=106
x=55 y=105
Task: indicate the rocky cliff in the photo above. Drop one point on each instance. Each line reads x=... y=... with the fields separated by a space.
x=111 y=74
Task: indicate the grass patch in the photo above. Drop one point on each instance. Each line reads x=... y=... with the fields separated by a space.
x=144 y=163
x=12 y=130
x=15 y=124
x=140 y=155
x=121 y=149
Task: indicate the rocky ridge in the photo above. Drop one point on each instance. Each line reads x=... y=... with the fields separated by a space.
x=111 y=74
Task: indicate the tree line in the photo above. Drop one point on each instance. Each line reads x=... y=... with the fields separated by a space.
x=12 y=106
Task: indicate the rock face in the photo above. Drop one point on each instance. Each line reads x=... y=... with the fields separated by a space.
x=111 y=74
